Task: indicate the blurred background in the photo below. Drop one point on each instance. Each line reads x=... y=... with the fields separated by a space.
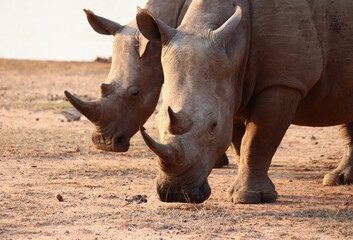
x=59 y=30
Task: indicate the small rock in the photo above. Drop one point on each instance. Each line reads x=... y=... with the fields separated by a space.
x=103 y=60
x=137 y=199
x=59 y=197
x=72 y=115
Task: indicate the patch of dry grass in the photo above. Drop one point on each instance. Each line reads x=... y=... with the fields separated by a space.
x=42 y=143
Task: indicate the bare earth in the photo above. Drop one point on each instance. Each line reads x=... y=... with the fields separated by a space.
x=42 y=155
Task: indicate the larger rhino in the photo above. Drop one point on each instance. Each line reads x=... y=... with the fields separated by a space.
x=242 y=78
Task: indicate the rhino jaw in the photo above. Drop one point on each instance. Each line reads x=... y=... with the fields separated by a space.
x=197 y=196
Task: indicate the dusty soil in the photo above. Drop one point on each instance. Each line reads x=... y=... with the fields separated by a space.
x=43 y=155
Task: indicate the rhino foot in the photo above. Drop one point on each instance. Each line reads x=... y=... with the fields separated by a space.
x=222 y=161
x=261 y=192
x=339 y=177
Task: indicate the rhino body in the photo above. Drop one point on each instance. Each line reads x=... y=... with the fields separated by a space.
x=242 y=78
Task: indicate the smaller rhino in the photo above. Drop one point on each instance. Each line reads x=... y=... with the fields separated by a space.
x=131 y=91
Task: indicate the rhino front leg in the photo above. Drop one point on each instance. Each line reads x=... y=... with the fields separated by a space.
x=343 y=174
x=271 y=113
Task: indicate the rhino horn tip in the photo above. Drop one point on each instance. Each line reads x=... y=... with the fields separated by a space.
x=87 y=11
x=67 y=94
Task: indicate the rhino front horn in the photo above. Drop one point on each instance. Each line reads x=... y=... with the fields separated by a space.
x=163 y=151
x=91 y=110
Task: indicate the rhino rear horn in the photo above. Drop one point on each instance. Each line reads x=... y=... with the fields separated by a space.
x=178 y=124
x=91 y=110
x=225 y=32
x=106 y=89
x=102 y=25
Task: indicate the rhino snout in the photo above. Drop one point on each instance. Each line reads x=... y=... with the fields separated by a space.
x=115 y=143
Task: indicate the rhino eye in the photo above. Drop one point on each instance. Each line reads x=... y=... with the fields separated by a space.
x=212 y=128
x=133 y=91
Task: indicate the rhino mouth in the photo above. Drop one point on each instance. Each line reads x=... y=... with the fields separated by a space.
x=115 y=143
x=196 y=196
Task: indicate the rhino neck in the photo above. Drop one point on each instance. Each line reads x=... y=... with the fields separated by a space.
x=207 y=15
x=170 y=12
x=240 y=51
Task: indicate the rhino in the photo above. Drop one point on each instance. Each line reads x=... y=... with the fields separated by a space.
x=241 y=72
x=131 y=91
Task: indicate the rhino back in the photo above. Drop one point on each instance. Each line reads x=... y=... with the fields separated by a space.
x=304 y=45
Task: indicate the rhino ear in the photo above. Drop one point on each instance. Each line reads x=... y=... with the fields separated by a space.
x=102 y=25
x=225 y=32
x=152 y=28
x=143 y=44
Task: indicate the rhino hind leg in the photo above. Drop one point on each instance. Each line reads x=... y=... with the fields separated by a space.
x=343 y=174
x=238 y=133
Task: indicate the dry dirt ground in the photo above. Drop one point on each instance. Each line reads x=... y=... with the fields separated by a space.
x=42 y=155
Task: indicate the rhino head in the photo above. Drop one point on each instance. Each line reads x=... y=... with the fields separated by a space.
x=195 y=121
x=131 y=90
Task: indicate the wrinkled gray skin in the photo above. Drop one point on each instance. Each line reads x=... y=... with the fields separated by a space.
x=252 y=73
x=131 y=90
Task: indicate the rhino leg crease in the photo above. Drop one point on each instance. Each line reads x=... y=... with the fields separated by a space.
x=270 y=115
x=343 y=174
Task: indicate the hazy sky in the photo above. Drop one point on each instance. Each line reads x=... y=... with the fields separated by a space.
x=58 y=29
